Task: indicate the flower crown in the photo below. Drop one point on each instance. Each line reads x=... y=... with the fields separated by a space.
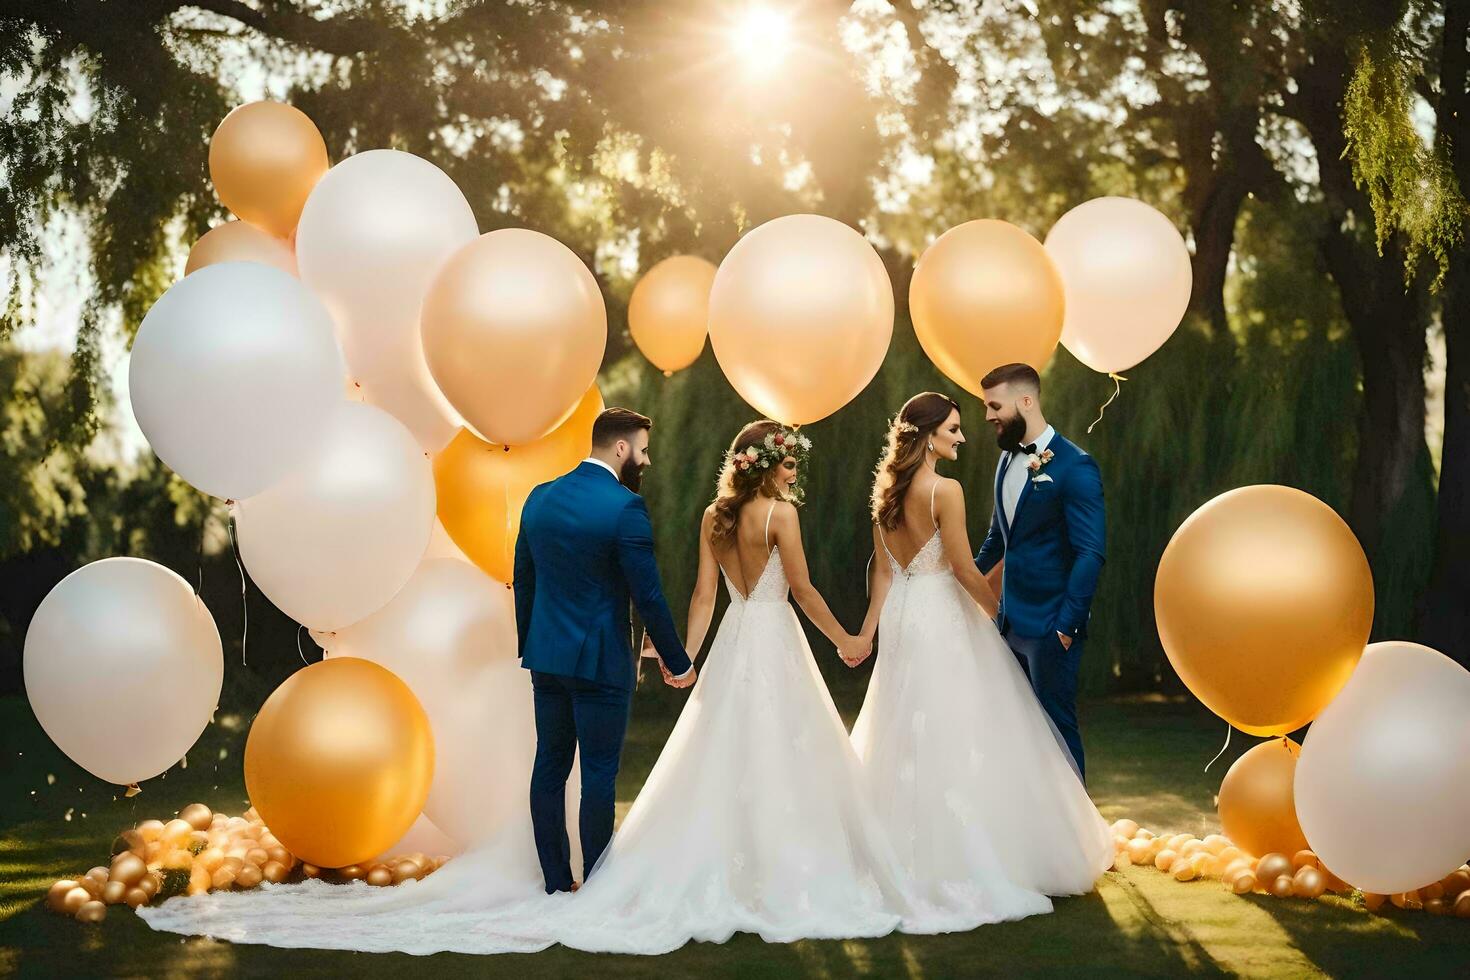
x=770 y=452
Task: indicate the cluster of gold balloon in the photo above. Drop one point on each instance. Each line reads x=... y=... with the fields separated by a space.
x=200 y=851
x=1298 y=875
x=1111 y=284
x=1264 y=602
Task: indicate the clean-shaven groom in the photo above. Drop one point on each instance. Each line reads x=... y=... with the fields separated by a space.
x=1049 y=527
x=585 y=549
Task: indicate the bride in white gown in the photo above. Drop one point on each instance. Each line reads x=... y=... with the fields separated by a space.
x=754 y=819
x=969 y=776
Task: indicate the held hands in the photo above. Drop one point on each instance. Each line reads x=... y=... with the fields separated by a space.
x=1065 y=640
x=855 y=649
x=669 y=679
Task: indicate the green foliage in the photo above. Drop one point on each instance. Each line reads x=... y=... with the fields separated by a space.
x=1409 y=181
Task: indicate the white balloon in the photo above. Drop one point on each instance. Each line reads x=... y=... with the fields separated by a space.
x=234 y=375
x=1383 y=782
x=450 y=636
x=337 y=538
x=374 y=232
x=123 y=667
x=1126 y=276
x=424 y=836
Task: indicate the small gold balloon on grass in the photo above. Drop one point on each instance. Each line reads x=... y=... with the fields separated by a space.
x=668 y=313
x=339 y=761
x=379 y=875
x=1282 y=885
x=197 y=815
x=1462 y=905
x=1308 y=882
x=264 y=159
x=1264 y=602
x=1272 y=866
x=92 y=912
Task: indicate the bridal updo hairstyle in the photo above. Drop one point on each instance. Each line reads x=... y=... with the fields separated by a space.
x=738 y=485
x=908 y=439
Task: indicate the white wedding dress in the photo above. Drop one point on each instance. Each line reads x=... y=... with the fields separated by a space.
x=969 y=776
x=754 y=819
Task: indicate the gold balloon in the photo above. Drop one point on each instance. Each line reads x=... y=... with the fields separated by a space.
x=113 y=893
x=128 y=868
x=264 y=160
x=668 y=313
x=56 y=895
x=1436 y=906
x=800 y=317
x=1185 y=870
x=1373 y=902
x=275 y=872
x=239 y=241
x=249 y=876
x=73 y=900
x=1243 y=882
x=1273 y=866
x=92 y=912
x=339 y=761
x=481 y=487
x=1165 y=859
x=1304 y=858
x=1281 y=886
x=1462 y=905
x=379 y=875
x=135 y=897
x=1264 y=601
x=514 y=330
x=1309 y=882
x=1257 y=807
x=985 y=294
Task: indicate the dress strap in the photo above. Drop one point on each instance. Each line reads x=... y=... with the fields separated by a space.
x=884 y=540
x=932 y=490
x=768 y=526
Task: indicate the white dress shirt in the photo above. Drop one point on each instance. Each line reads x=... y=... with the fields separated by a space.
x=1017 y=474
x=597 y=462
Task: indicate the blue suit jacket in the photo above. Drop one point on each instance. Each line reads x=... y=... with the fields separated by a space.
x=1053 y=548
x=585 y=548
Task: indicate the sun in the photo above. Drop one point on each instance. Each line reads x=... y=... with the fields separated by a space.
x=761 y=39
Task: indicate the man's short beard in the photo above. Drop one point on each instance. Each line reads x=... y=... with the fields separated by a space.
x=631 y=474
x=1011 y=432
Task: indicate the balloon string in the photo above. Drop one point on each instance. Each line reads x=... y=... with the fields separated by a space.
x=1118 y=379
x=244 y=607
x=299 y=652
x=203 y=528
x=1222 y=748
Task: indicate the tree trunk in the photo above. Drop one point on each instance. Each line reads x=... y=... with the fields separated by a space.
x=1389 y=319
x=1445 y=614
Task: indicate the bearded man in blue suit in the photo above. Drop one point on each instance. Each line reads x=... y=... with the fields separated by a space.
x=1047 y=537
x=584 y=552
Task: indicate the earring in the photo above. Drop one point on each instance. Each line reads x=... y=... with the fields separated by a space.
x=931 y=445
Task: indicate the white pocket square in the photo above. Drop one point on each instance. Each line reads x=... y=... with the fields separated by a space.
x=1041 y=478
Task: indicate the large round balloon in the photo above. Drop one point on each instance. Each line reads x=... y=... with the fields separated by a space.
x=264 y=159
x=123 y=667
x=1264 y=601
x=1383 y=785
x=800 y=316
x=337 y=537
x=1257 y=811
x=668 y=314
x=986 y=294
x=238 y=241
x=447 y=635
x=234 y=376
x=373 y=235
x=514 y=330
x=339 y=761
x=482 y=487
x=1127 y=277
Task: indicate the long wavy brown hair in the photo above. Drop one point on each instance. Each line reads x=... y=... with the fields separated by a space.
x=908 y=438
x=736 y=487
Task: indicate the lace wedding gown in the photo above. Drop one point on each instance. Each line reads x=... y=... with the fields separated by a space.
x=967 y=773
x=754 y=819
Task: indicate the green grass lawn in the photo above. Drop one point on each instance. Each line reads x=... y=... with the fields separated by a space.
x=1146 y=760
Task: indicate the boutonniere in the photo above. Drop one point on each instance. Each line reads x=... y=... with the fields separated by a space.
x=1035 y=462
